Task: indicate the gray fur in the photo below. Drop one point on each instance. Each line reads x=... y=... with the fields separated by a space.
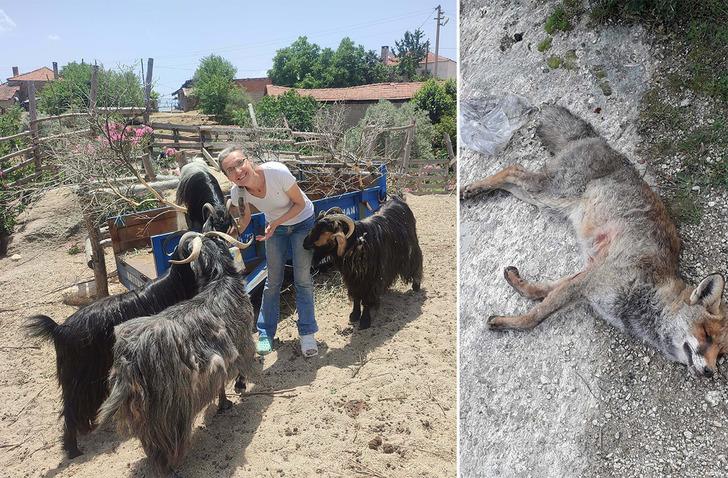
x=629 y=244
x=169 y=366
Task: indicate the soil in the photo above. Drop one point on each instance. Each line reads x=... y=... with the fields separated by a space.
x=378 y=402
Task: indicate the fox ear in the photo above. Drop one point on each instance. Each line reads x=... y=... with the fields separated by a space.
x=709 y=293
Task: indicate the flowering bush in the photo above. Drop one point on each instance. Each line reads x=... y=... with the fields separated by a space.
x=117 y=133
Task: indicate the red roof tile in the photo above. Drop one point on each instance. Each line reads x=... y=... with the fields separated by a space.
x=7 y=92
x=41 y=74
x=431 y=58
x=373 y=92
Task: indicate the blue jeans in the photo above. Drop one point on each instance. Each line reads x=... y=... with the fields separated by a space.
x=276 y=248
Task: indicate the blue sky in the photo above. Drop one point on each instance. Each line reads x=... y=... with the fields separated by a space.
x=178 y=34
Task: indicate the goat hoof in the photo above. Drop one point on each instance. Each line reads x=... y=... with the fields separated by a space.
x=364 y=325
x=240 y=385
x=224 y=405
x=353 y=318
x=415 y=286
x=73 y=453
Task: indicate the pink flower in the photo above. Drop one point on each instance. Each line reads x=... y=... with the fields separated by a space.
x=169 y=152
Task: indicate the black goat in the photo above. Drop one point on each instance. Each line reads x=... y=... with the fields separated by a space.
x=169 y=366
x=200 y=193
x=371 y=253
x=84 y=344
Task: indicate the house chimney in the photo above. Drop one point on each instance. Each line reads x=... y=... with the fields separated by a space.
x=385 y=54
x=55 y=70
x=15 y=71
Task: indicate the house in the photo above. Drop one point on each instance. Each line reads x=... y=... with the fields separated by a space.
x=446 y=68
x=8 y=97
x=40 y=77
x=254 y=87
x=356 y=98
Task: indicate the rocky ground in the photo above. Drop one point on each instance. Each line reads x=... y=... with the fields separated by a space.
x=575 y=397
x=379 y=402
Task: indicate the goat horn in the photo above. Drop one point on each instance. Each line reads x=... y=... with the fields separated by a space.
x=230 y=239
x=228 y=205
x=208 y=207
x=196 y=247
x=349 y=222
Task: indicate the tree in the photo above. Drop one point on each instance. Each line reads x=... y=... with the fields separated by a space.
x=215 y=89
x=410 y=51
x=298 y=110
x=306 y=65
x=434 y=98
x=118 y=88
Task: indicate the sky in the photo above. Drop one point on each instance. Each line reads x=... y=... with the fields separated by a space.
x=178 y=34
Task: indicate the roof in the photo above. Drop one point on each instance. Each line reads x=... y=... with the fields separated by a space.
x=41 y=74
x=373 y=92
x=430 y=58
x=7 y=92
x=254 y=85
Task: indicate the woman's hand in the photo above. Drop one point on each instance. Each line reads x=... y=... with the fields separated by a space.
x=269 y=229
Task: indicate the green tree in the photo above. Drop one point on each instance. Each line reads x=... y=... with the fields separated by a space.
x=410 y=51
x=298 y=110
x=72 y=90
x=433 y=98
x=386 y=115
x=306 y=65
x=215 y=89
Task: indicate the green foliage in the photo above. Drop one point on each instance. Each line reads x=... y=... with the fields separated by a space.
x=682 y=203
x=558 y=20
x=298 y=110
x=410 y=51
x=73 y=250
x=10 y=124
x=545 y=44
x=554 y=62
x=306 y=65
x=216 y=91
x=434 y=99
x=447 y=125
x=385 y=114
x=116 y=88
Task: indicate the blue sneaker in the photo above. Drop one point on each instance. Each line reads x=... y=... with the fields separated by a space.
x=264 y=346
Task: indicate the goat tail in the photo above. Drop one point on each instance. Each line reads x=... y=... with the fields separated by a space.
x=123 y=402
x=559 y=127
x=41 y=326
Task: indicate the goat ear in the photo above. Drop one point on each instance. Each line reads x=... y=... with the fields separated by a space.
x=709 y=293
x=340 y=244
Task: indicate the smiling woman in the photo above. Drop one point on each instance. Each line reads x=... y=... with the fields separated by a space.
x=273 y=190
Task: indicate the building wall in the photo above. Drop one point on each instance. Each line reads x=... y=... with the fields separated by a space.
x=446 y=70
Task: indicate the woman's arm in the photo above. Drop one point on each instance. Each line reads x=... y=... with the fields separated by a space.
x=299 y=203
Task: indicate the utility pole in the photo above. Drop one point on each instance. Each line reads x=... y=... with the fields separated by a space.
x=440 y=23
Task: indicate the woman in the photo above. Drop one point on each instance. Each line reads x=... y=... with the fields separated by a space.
x=272 y=189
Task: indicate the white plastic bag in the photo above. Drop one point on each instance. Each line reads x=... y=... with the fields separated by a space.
x=487 y=122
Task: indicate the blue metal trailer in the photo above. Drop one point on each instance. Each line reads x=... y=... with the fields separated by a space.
x=157 y=225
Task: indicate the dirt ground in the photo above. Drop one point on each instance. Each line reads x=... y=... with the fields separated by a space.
x=394 y=382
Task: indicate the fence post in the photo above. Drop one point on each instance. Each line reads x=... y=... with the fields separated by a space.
x=450 y=153
x=148 y=158
x=33 y=116
x=94 y=89
x=408 y=147
x=252 y=115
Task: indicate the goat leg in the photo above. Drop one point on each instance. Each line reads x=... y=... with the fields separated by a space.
x=366 y=318
x=356 y=312
x=223 y=403
x=240 y=384
x=70 y=443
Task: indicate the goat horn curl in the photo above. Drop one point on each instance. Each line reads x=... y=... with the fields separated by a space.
x=230 y=239
x=196 y=247
x=208 y=207
x=349 y=222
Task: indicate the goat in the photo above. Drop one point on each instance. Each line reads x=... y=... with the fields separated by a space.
x=84 y=344
x=200 y=193
x=169 y=366
x=371 y=253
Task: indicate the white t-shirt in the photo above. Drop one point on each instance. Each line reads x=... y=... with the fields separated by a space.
x=278 y=180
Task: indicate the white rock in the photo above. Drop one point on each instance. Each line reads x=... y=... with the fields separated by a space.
x=684 y=103
x=16 y=257
x=713 y=397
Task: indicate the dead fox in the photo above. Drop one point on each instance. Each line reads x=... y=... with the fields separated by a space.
x=630 y=248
